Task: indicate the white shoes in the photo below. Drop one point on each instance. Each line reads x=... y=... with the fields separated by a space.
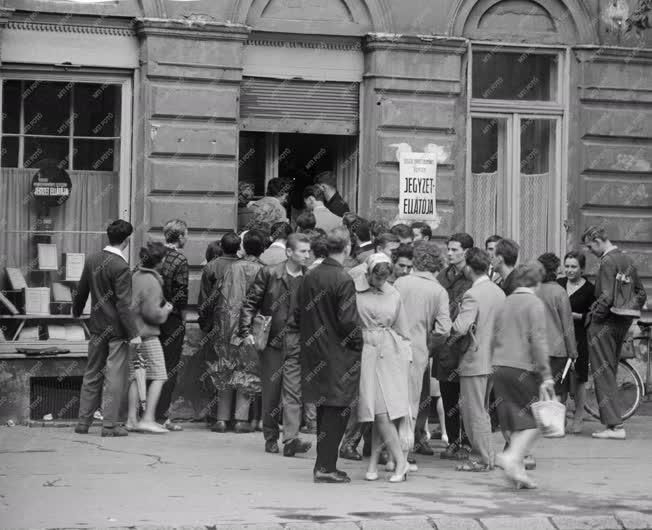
x=611 y=434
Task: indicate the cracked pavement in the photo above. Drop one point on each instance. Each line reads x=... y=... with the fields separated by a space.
x=53 y=478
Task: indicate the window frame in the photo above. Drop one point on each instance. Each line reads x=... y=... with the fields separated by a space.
x=124 y=80
x=514 y=111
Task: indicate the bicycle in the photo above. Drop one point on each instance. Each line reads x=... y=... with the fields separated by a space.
x=630 y=383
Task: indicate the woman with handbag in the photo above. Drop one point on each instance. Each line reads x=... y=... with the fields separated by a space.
x=384 y=368
x=521 y=370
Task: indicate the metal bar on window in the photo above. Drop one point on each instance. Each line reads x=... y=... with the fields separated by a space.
x=71 y=132
x=21 y=126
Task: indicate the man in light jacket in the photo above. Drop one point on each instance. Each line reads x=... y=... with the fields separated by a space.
x=475 y=320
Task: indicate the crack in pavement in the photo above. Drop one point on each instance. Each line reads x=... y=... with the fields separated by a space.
x=157 y=459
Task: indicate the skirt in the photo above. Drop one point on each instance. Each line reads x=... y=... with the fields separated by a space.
x=152 y=353
x=515 y=391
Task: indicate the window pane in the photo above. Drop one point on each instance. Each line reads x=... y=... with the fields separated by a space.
x=9 y=151
x=251 y=166
x=47 y=107
x=518 y=76
x=10 y=106
x=95 y=155
x=537 y=174
x=96 y=110
x=39 y=149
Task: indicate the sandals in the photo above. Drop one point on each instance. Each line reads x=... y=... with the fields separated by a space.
x=474 y=467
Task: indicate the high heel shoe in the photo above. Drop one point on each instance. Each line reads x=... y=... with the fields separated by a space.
x=371 y=476
x=400 y=477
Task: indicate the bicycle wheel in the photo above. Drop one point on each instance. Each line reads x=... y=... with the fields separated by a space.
x=630 y=391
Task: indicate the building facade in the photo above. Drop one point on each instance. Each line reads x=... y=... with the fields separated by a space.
x=158 y=109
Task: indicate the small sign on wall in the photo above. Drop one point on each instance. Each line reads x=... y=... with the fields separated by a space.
x=417 y=186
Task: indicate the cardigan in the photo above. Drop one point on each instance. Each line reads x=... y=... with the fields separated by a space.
x=560 y=329
x=148 y=302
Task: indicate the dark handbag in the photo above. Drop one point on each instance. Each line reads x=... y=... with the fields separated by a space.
x=260 y=327
x=459 y=345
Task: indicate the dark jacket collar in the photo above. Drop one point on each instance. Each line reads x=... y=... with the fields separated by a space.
x=330 y=261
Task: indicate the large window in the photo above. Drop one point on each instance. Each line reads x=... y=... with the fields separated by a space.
x=514 y=178
x=80 y=125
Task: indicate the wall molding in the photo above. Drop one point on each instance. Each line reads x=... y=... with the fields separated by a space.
x=191 y=28
x=287 y=40
x=416 y=43
x=87 y=29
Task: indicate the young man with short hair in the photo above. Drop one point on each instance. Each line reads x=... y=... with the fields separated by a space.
x=421 y=231
x=174 y=271
x=404 y=233
x=275 y=253
x=107 y=279
x=274 y=293
x=504 y=262
x=401 y=262
x=490 y=247
x=305 y=221
x=313 y=197
x=620 y=296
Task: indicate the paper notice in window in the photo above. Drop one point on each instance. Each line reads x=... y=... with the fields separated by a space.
x=16 y=278
x=37 y=301
x=74 y=266
x=47 y=257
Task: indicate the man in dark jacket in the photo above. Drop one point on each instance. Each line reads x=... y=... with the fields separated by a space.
x=331 y=346
x=620 y=296
x=274 y=293
x=107 y=278
x=453 y=279
x=327 y=181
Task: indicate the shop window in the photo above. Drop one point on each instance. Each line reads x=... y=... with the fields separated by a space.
x=514 y=76
x=75 y=126
x=514 y=181
x=251 y=162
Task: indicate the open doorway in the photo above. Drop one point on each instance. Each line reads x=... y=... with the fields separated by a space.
x=299 y=158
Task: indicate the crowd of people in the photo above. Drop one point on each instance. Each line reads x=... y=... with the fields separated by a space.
x=352 y=329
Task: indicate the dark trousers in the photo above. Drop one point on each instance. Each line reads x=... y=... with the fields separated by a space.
x=450 y=395
x=172 y=334
x=356 y=431
x=331 y=423
x=605 y=343
x=280 y=374
x=107 y=368
x=424 y=410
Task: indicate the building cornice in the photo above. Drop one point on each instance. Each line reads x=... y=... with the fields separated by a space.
x=191 y=28
x=609 y=54
x=416 y=43
x=287 y=40
x=88 y=29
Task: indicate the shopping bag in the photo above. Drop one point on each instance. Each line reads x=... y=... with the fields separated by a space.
x=550 y=416
x=406 y=431
x=140 y=373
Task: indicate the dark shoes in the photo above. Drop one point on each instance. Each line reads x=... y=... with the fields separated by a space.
x=322 y=477
x=219 y=426
x=449 y=453
x=110 y=432
x=423 y=448
x=242 y=427
x=271 y=446
x=349 y=453
x=81 y=428
x=296 y=446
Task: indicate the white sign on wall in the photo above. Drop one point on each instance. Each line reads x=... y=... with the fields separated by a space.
x=417 y=186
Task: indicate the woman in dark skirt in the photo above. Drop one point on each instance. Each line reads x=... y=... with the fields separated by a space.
x=581 y=295
x=521 y=370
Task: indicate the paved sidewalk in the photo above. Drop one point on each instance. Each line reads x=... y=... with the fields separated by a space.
x=53 y=478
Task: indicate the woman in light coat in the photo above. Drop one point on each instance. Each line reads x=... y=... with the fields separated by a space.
x=386 y=355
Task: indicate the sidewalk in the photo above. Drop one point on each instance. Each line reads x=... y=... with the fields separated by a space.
x=53 y=478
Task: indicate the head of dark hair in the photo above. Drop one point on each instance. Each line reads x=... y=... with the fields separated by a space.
x=254 y=242
x=576 y=255
x=402 y=230
x=382 y=240
x=478 y=260
x=492 y=239
x=337 y=240
x=349 y=219
x=428 y=256
x=319 y=245
x=306 y=221
x=424 y=228
x=281 y=230
x=295 y=239
x=550 y=262
x=230 y=243
x=327 y=177
x=362 y=230
x=277 y=187
x=152 y=254
x=464 y=239
x=595 y=232
x=118 y=231
x=403 y=251
x=314 y=191
x=378 y=226
x=508 y=250
x=213 y=250
x=382 y=268
x=528 y=275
